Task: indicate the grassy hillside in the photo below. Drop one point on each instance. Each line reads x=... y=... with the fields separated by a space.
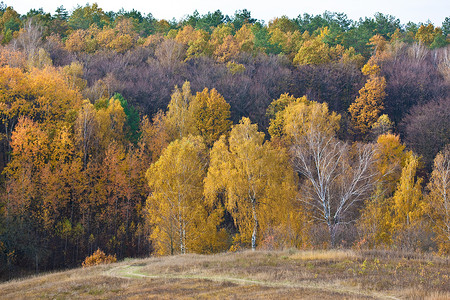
x=249 y=275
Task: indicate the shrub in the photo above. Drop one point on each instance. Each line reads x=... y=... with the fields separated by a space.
x=97 y=258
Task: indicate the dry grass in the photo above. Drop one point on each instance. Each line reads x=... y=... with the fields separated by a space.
x=288 y=274
x=324 y=255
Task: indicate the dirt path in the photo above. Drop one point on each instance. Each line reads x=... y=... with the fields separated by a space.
x=135 y=272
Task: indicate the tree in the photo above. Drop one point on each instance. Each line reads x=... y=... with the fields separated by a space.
x=335 y=177
x=42 y=95
x=9 y=23
x=211 y=115
x=426 y=34
x=256 y=179
x=24 y=208
x=313 y=52
x=427 y=129
x=84 y=17
x=407 y=204
x=86 y=131
x=178 y=118
x=438 y=199
x=153 y=135
x=375 y=224
x=366 y=109
x=111 y=122
x=132 y=118
x=242 y=17
x=176 y=207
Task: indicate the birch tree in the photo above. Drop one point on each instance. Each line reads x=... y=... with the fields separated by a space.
x=176 y=207
x=438 y=200
x=256 y=178
x=336 y=177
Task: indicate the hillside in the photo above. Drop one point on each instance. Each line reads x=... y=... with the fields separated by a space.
x=249 y=275
x=213 y=133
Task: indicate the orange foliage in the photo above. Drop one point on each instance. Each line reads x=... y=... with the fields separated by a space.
x=99 y=257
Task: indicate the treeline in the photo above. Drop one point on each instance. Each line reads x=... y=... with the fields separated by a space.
x=90 y=28
x=140 y=136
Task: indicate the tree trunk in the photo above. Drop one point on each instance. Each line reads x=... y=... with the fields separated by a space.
x=332 y=229
x=255 y=227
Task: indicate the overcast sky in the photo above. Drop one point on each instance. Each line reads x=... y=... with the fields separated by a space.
x=406 y=10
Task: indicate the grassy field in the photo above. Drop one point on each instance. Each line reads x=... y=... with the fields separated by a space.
x=290 y=274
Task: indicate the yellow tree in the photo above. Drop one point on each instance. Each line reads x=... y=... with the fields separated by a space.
x=276 y=113
x=196 y=41
x=154 y=137
x=224 y=44
x=24 y=191
x=176 y=207
x=366 y=109
x=29 y=144
x=290 y=41
x=111 y=120
x=438 y=200
x=245 y=38
x=200 y=45
x=407 y=206
x=408 y=195
x=206 y=114
x=375 y=223
x=42 y=95
x=211 y=115
x=258 y=183
x=86 y=131
x=74 y=76
x=313 y=52
x=178 y=120
x=427 y=33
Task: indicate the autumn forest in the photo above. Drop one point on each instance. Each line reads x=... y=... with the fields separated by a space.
x=218 y=133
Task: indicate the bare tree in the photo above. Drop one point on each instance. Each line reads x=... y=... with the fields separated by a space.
x=170 y=54
x=85 y=128
x=337 y=177
x=30 y=38
x=438 y=200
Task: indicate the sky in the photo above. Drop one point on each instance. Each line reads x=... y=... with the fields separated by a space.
x=406 y=10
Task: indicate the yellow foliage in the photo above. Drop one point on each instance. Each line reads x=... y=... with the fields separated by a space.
x=223 y=43
x=39 y=94
x=283 y=24
x=313 y=52
x=199 y=45
x=210 y=113
x=206 y=114
x=182 y=220
x=178 y=119
x=235 y=68
x=74 y=74
x=366 y=109
x=245 y=38
x=154 y=135
x=407 y=200
x=304 y=117
x=370 y=69
x=426 y=34
x=375 y=222
x=186 y=35
x=111 y=121
x=382 y=126
x=256 y=179
x=276 y=113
